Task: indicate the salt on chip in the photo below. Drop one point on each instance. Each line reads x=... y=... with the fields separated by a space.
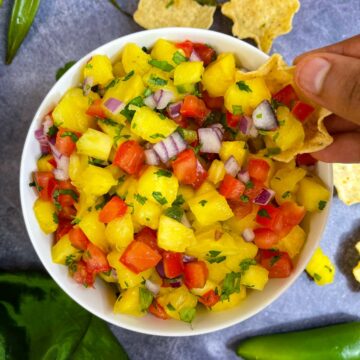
x=261 y=20
x=277 y=74
x=152 y=14
x=347 y=182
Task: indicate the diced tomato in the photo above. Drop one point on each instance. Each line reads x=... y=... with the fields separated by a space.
x=81 y=275
x=195 y=108
x=231 y=188
x=52 y=162
x=265 y=238
x=63 y=228
x=65 y=141
x=95 y=109
x=286 y=96
x=139 y=257
x=157 y=310
x=181 y=121
x=268 y=216
x=149 y=237
x=186 y=46
x=258 y=169
x=195 y=274
x=305 y=159
x=95 y=259
x=66 y=193
x=45 y=183
x=78 y=239
x=209 y=299
x=232 y=120
x=173 y=264
x=113 y=209
x=213 y=103
x=253 y=189
x=206 y=53
x=184 y=167
x=302 y=110
x=67 y=213
x=241 y=208
x=130 y=157
x=277 y=263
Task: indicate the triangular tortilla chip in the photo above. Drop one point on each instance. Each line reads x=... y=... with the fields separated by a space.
x=347 y=182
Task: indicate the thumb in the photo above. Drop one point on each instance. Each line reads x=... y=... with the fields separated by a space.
x=333 y=81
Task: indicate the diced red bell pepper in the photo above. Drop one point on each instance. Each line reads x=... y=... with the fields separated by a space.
x=232 y=120
x=253 y=188
x=213 y=103
x=65 y=141
x=302 y=110
x=139 y=257
x=268 y=216
x=231 y=188
x=277 y=263
x=286 y=96
x=258 y=169
x=186 y=46
x=184 y=167
x=45 y=183
x=113 y=209
x=265 y=238
x=63 y=228
x=195 y=108
x=95 y=259
x=157 y=310
x=149 y=237
x=209 y=299
x=130 y=157
x=201 y=175
x=195 y=274
x=206 y=53
x=81 y=275
x=95 y=109
x=78 y=239
x=241 y=208
x=173 y=264
x=305 y=159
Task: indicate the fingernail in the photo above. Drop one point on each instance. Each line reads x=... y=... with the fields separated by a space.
x=312 y=74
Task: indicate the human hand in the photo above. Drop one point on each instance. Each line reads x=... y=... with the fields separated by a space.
x=330 y=76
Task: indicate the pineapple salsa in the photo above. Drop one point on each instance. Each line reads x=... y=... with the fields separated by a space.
x=159 y=175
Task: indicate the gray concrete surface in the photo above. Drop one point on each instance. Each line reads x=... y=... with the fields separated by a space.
x=67 y=30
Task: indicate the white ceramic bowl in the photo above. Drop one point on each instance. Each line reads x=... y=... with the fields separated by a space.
x=100 y=300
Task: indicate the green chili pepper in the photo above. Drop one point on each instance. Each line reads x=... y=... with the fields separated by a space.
x=337 y=342
x=22 y=16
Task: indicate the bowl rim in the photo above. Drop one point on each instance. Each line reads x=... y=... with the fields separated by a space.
x=156 y=33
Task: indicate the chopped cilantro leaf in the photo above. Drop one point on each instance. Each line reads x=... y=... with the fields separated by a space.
x=263 y=213
x=170 y=3
x=273 y=151
x=275 y=104
x=137 y=101
x=202 y=202
x=246 y=263
x=158 y=196
x=322 y=204
x=147 y=92
x=178 y=58
x=128 y=75
x=274 y=260
x=170 y=307
x=281 y=122
x=237 y=110
x=76 y=221
x=157 y=136
x=244 y=198
x=165 y=173
x=140 y=199
x=317 y=277
x=259 y=116
x=249 y=185
x=243 y=86
x=174 y=212
x=70 y=134
x=52 y=131
x=178 y=201
x=187 y=314
x=55 y=218
x=112 y=83
x=157 y=81
x=163 y=65
x=145 y=297
x=286 y=194
x=231 y=284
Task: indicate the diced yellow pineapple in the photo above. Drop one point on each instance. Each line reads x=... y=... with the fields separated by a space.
x=94 y=229
x=174 y=236
x=357 y=247
x=118 y=69
x=237 y=149
x=150 y=126
x=210 y=207
x=293 y=242
x=85 y=202
x=77 y=165
x=45 y=214
x=148 y=214
x=157 y=79
x=95 y=143
x=134 y=58
x=129 y=303
x=99 y=69
x=216 y=171
x=234 y=300
x=188 y=73
x=244 y=96
x=209 y=285
x=219 y=75
x=255 y=277
x=205 y=188
x=63 y=252
x=312 y=194
x=43 y=163
x=320 y=268
x=356 y=272
x=116 y=172
x=120 y=232
x=128 y=188
x=217 y=271
x=164 y=50
x=239 y=225
x=158 y=188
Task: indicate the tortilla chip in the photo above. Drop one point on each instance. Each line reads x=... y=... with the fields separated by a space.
x=261 y=20
x=152 y=14
x=347 y=182
x=277 y=74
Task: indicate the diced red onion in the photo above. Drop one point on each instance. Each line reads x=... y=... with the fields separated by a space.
x=150 y=101
x=62 y=169
x=232 y=167
x=114 y=105
x=175 y=283
x=114 y=274
x=160 y=269
x=88 y=83
x=264 y=197
x=47 y=124
x=185 y=221
x=210 y=140
x=174 y=109
x=245 y=124
x=151 y=286
x=253 y=132
x=57 y=154
x=151 y=157
x=169 y=147
x=162 y=98
x=243 y=176
x=264 y=117
x=43 y=141
x=189 y=258
x=248 y=235
x=194 y=56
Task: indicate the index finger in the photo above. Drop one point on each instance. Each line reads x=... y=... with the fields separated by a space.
x=349 y=47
